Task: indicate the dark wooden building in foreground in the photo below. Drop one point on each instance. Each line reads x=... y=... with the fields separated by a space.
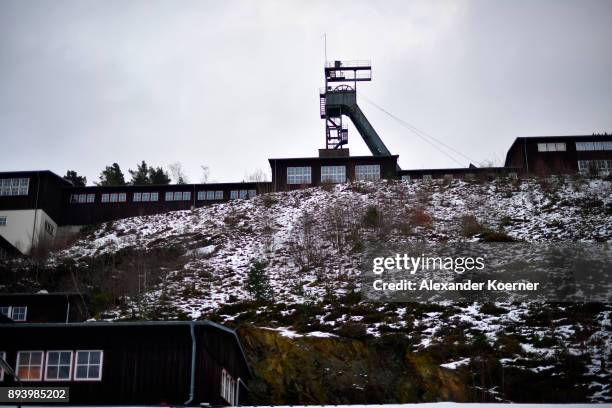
x=129 y=363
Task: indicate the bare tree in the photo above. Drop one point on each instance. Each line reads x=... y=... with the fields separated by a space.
x=177 y=173
x=258 y=176
x=205 y=174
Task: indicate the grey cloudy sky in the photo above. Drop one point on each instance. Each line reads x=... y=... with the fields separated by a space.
x=229 y=84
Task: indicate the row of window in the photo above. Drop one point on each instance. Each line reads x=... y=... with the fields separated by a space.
x=580 y=146
x=228 y=387
x=14 y=186
x=16 y=313
x=551 y=147
x=467 y=176
x=588 y=146
x=332 y=174
x=58 y=365
x=600 y=166
x=154 y=196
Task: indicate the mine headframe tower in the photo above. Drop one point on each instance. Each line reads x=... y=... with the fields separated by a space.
x=339 y=98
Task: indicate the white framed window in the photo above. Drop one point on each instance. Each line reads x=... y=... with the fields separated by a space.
x=2 y=220
x=137 y=197
x=513 y=175
x=91 y=198
x=155 y=196
x=244 y=193
x=427 y=177
x=169 y=196
x=299 y=175
x=19 y=313
x=367 y=172
x=228 y=387
x=589 y=146
x=252 y=193
x=218 y=195
x=210 y=195
x=551 y=147
x=406 y=177
x=186 y=195
x=5 y=310
x=88 y=365
x=58 y=365
x=2 y=356
x=201 y=195
x=122 y=197
x=14 y=186
x=30 y=365
x=178 y=195
x=105 y=198
x=82 y=198
x=114 y=197
x=74 y=198
x=333 y=174
x=234 y=194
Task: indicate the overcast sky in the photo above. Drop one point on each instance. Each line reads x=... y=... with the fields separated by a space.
x=229 y=84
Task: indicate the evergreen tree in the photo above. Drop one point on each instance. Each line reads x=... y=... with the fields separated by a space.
x=75 y=179
x=141 y=175
x=112 y=176
x=158 y=175
x=257 y=283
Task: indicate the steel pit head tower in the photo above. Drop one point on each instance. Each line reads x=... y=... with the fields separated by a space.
x=339 y=98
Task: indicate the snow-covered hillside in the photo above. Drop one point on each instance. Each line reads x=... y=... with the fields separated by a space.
x=312 y=241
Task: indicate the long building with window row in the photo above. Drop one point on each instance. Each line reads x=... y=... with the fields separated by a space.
x=36 y=206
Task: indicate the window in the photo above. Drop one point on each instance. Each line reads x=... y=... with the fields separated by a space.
x=513 y=175
x=14 y=186
x=114 y=197
x=5 y=310
x=244 y=193
x=210 y=195
x=551 y=147
x=178 y=195
x=3 y=357
x=122 y=197
x=154 y=196
x=333 y=174
x=2 y=220
x=58 y=366
x=406 y=178
x=29 y=365
x=601 y=166
x=228 y=387
x=427 y=177
x=82 y=198
x=367 y=172
x=105 y=198
x=587 y=146
x=19 y=313
x=233 y=194
x=252 y=193
x=137 y=197
x=299 y=175
x=88 y=365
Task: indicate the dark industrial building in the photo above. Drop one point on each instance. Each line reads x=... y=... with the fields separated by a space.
x=64 y=307
x=36 y=205
x=131 y=363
